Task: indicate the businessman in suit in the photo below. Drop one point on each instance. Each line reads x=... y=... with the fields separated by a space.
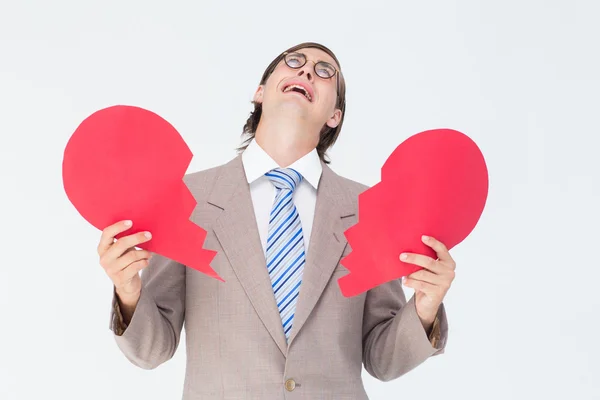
x=278 y=327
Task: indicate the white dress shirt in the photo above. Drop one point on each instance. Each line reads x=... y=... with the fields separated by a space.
x=256 y=163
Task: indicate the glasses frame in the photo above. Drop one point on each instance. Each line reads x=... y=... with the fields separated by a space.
x=337 y=72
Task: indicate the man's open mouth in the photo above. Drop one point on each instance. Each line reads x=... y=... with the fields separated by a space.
x=299 y=89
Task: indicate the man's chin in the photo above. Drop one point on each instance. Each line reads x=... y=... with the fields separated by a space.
x=293 y=109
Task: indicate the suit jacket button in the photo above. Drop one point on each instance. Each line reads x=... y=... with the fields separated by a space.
x=290 y=385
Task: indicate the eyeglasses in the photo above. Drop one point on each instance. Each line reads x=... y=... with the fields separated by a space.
x=323 y=69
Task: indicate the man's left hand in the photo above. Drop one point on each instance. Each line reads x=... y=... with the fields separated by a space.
x=431 y=283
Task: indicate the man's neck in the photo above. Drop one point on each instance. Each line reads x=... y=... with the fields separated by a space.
x=285 y=142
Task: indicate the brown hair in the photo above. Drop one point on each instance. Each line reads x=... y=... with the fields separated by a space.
x=328 y=135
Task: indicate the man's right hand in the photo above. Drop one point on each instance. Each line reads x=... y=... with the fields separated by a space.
x=122 y=262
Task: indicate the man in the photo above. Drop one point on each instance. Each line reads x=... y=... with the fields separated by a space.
x=278 y=327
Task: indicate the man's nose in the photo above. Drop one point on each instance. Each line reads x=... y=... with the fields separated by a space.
x=306 y=71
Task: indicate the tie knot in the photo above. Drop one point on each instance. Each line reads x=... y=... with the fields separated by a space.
x=284 y=178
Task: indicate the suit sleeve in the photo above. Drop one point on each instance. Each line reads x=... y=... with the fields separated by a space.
x=153 y=334
x=394 y=341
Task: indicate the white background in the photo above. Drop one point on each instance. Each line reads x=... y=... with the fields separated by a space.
x=519 y=77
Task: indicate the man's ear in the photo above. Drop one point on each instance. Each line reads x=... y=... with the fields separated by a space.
x=258 y=95
x=335 y=119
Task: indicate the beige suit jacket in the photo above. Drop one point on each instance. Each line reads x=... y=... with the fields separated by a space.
x=235 y=346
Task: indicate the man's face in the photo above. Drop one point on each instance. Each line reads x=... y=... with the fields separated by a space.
x=300 y=92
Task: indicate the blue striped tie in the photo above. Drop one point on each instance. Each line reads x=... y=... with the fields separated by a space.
x=285 y=253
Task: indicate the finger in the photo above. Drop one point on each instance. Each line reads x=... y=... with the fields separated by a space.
x=131 y=256
x=120 y=247
x=124 y=276
x=429 y=289
x=108 y=235
x=440 y=249
x=422 y=261
x=442 y=281
x=427 y=276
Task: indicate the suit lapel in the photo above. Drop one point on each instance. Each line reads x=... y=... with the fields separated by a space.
x=327 y=243
x=235 y=228
x=238 y=235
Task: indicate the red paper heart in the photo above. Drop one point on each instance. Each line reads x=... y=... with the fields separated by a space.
x=435 y=183
x=124 y=162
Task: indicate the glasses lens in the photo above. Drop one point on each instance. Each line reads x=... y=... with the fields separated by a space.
x=295 y=60
x=324 y=70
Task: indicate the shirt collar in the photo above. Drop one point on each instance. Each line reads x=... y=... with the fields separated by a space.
x=257 y=162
